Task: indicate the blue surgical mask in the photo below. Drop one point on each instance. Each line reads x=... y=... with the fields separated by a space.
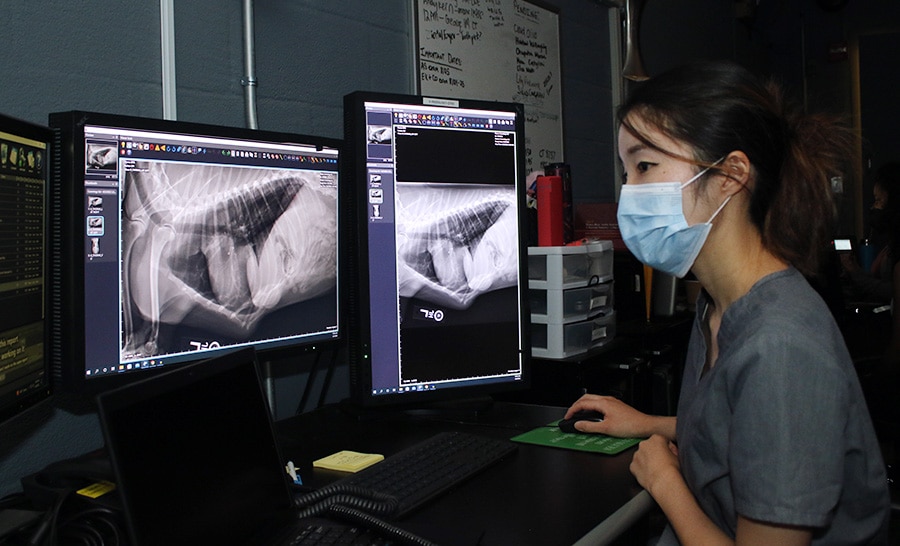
x=653 y=226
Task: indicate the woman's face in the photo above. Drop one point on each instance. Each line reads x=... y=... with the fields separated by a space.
x=880 y=197
x=643 y=165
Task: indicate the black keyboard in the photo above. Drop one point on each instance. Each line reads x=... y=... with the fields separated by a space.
x=429 y=468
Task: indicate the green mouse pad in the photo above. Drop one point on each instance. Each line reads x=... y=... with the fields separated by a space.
x=551 y=436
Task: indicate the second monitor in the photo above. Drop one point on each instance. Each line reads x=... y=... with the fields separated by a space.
x=439 y=309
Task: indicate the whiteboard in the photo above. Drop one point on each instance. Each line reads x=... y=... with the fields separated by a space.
x=503 y=50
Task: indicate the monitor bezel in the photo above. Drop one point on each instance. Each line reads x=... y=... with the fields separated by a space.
x=360 y=331
x=41 y=133
x=68 y=299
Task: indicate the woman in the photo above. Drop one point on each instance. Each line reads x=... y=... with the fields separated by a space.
x=875 y=284
x=773 y=443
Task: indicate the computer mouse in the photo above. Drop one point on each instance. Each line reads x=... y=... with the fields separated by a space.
x=568 y=425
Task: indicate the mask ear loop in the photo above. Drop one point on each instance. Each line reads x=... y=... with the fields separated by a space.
x=693 y=179
x=718 y=210
x=701 y=173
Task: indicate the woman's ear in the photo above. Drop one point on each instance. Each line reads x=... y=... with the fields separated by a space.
x=736 y=169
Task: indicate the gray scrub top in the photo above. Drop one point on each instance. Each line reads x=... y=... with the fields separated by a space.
x=778 y=429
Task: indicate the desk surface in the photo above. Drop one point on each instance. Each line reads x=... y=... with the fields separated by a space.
x=541 y=495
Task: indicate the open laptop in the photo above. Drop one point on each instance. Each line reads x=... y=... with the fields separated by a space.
x=195 y=456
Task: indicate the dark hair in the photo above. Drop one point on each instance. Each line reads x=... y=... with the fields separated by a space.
x=719 y=107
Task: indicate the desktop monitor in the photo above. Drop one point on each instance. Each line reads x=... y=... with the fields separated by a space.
x=176 y=241
x=24 y=161
x=439 y=310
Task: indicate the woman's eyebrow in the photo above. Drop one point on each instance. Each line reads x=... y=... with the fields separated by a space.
x=631 y=150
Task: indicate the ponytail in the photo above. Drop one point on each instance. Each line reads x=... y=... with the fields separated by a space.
x=801 y=217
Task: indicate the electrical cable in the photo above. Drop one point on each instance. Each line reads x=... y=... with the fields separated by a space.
x=382 y=527
x=45 y=531
x=96 y=525
x=374 y=502
x=366 y=505
x=307 y=391
x=13 y=500
x=329 y=373
x=91 y=526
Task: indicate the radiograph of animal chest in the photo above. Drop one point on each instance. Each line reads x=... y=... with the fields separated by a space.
x=455 y=243
x=221 y=246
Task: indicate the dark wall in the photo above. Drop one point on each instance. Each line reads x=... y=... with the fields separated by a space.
x=79 y=55
x=587 y=99
x=308 y=55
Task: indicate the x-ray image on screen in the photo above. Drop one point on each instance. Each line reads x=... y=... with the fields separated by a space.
x=455 y=242
x=210 y=251
x=101 y=155
x=457 y=278
x=380 y=134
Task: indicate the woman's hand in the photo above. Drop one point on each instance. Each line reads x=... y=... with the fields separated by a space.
x=619 y=419
x=655 y=462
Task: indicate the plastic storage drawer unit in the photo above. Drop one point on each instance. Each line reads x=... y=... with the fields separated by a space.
x=551 y=305
x=556 y=340
x=562 y=267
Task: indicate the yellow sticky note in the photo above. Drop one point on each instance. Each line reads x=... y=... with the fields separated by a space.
x=348 y=461
x=97 y=489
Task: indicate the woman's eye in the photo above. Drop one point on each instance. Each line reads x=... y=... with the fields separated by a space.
x=644 y=166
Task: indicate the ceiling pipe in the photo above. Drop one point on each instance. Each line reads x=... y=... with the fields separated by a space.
x=167 y=53
x=249 y=79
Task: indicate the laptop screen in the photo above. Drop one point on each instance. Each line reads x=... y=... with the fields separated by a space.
x=195 y=454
